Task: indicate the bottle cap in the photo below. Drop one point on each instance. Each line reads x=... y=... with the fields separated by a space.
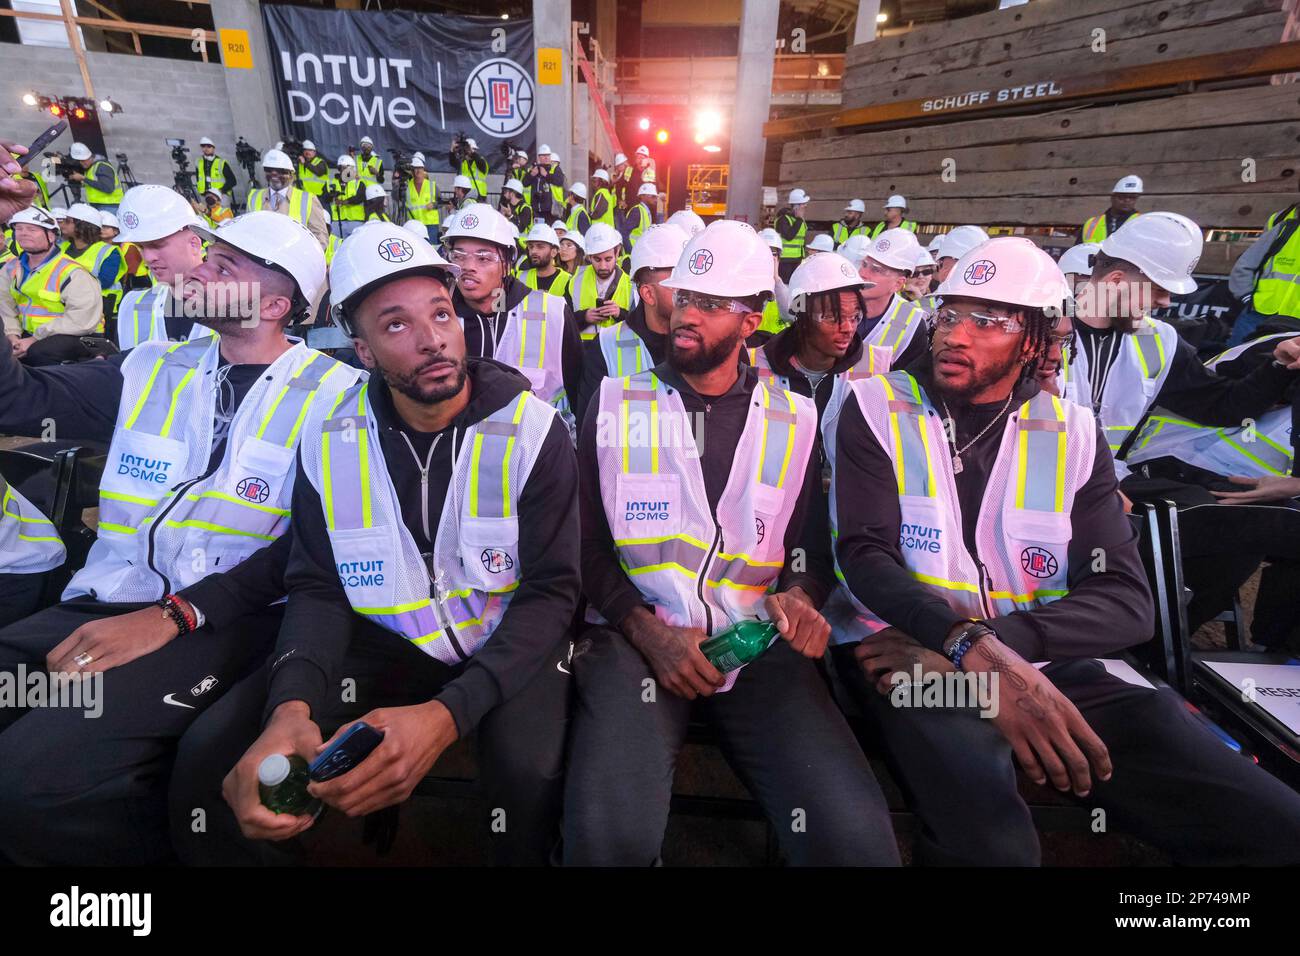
x=273 y=771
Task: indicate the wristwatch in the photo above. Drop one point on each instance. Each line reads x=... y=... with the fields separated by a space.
x=965 y=638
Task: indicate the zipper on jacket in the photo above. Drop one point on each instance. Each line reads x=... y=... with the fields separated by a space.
x=178 y=495
x=708 y=556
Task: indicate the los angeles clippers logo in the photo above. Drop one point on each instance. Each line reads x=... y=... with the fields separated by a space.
x=256 y=490
x=395 y=250
x=496 y=560
x=1039 y=563
x=701 y=262
x=979 y=272
x=499 y=96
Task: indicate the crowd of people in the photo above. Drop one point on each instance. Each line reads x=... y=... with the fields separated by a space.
x=554 y=468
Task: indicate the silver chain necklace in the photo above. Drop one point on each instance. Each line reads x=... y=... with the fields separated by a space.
x=952 y=435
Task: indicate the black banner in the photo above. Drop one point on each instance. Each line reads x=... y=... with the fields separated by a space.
x=410 y=81
x=1203 y=317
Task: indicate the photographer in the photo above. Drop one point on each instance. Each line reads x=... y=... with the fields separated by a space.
x=211 y=208
x=513 y=208
x=545 y=184
x=467 y=161
x=422 y=198
x=370 y=167
x=213 y=171
x=314 y=171
x=103 y=189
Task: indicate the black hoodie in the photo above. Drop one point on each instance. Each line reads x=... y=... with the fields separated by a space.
x=319 y=623
x=594 y=367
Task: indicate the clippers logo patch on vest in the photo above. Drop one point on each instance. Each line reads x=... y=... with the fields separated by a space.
x=760 y=528
x=701 y=262
x=362 y=574
x=145 y=469
x=496 y=560
x=1038 y=562
x=253 y=489
x=395 y=250
x=979 y=272
x=920 y=537
x=130 y=220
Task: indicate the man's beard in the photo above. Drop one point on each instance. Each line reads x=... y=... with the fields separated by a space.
x=981 y=379
x=704 y=359
x=540 y=262
x=409 y=385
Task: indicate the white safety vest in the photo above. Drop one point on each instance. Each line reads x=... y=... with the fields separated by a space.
x=29 y=542
x=461 y=591
x=1257 y=450
x=1023 y=534
x=143 y=318
x=692 y=571
x=901 y=321
x=533 y=342
x=1136 y=377
x=624 y=351
x=164 y=523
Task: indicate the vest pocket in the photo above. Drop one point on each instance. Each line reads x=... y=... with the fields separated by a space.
x=366 y=561
x=260 y=471
x=646 y=506
x=489 y=552
x=144 y=466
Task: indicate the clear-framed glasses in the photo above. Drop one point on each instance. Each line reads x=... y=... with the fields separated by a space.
x=949 y=319
x=707 y=304
x=829 y=318
x=877 y=268
x=460 y=257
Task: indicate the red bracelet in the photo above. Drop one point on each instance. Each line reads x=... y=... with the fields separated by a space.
x=174 y=609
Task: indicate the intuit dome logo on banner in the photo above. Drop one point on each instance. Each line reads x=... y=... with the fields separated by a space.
x=410 y=81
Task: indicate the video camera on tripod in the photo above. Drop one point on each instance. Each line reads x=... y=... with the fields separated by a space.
x=248 y=158
x=183 y=178
x=63 y=165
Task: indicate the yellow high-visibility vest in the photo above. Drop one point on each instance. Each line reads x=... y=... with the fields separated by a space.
x=38 y=297
x=426 y=196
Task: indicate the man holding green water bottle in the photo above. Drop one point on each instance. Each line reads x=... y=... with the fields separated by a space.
x=701 y=511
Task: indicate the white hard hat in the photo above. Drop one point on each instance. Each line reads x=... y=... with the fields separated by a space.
x=896 y=248
x=480 y=221
x=521 y=154
x=798 y=197
x=923 y=258
x=643 y=150
x=961 y=241
x=935 y=244
x=367 y=141
x=1008 y=269
x=153 y=212
x=205 y=141
x=822 y=242
x=308 y=144
x=277 y=159
x=279 y=144
x=79 y=151
x=854 y=248
x=375 y=191
x=375 y=253
x=462 y=182
x=109 y=220
x=727 y=259
x=648 y=189
x=471 y=143
x=58 y=212
x=417 y=155
x=1077 y=260
x=543 y=150
x=826 y=273
x=35 y=216
x=773 y=239
x=619 y=159
x=347 y=160
x=601 y=174
x=1129 y=184
x=277 y=241
x=895 y=202
x=85 y=213
x=601 y=238
x=688 y=220
x=575 y=237
x=1164 y=245
x=416 y=228
x=659 y=247
x=856 y=205
x=417 y=162
x=514 y=185
x=559 y=227
x=579 y=190
x=541 y=232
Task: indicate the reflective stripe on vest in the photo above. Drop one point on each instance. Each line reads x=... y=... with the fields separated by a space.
x=571 y=224
x=793 y=248
x=29 y=542
x=895 y=328
x=94 y=196
x=426 y=196
x=93 y=258
x=841 y=233
x=143 y=317
x=624 y=352
x=533 y=342
x=38 y=297
x=644 y=221
x=559 y=285
x=300 y=203
x=1277 y=290
x=313 y=182
x=368 y=169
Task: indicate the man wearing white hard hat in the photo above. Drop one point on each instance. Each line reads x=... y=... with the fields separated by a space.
x=314 y=172
x=643 y=170
x=1123 y=207
x=956 y=244
x=895 y=217
x=101 y=259
x=621 y=176
x=348 y=207
x=48 y=300
x=370 y=165
x=850 y=224
x=1076 y=262
x=376 y=203
x=603 y=203
x=657 y=507
x=213 y=172
x=792 y=226
x=422 y=199
x=889 y=320
x=542 y=271
x=465 y=159
x=203 y=442
x=990 y=502
x=545 y=184
x=822 y=242
x=462 y=193
x=280 y=195
x=528 y=329
x=576 y=217
x=100 y=179
x=211 y=209
x=639 y=341
x=688 y=220
x=157 y=220
x=641 y=217
x=601 y=292
x=463 y=631
x=776 y=311
x=512 y=206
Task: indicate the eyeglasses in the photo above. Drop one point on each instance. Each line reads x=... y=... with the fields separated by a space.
x=460 y=257
x=708 y=304
x=949 y=319
x=829 y=318
x=870 y=265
